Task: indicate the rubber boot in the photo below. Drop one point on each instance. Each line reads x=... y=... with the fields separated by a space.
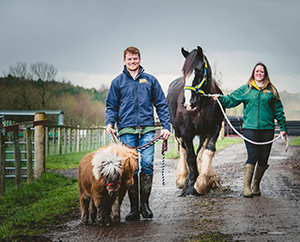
x=133 y=193
x=259 y=172
x=145 y=190
x=248 y=174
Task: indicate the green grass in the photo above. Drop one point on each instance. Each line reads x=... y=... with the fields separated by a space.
x=64 y=161
x=26 y=211
x=220 y=144
x=295 y=141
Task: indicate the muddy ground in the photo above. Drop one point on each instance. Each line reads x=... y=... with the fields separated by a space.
x=224 y=215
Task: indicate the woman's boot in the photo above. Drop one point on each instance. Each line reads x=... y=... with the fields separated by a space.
x=259 y=172
x=145 y=190
x=248 y=174
x=133 y=193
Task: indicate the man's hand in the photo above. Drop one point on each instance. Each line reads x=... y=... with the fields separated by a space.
x=110 y=129
x=166 y=133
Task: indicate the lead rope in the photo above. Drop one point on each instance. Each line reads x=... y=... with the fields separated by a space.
x=243 y=137
x=139 y=149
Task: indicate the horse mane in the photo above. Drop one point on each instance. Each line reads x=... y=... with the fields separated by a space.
x=129 y=157
x=106 y=162
x=190 y=64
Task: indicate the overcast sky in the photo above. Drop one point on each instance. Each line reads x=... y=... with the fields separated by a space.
x=84 y=40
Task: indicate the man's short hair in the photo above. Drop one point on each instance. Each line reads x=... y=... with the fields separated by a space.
x=132 y=50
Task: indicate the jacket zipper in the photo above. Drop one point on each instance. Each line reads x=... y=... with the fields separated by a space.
x=258 y=108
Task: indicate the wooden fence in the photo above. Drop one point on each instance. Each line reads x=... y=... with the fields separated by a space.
x=10 y=135
x=39 y=140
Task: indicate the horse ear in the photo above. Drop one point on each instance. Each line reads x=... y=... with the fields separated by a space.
x=200 y=53
x=184 y=52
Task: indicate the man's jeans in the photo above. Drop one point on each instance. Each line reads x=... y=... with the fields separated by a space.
x=147 y=155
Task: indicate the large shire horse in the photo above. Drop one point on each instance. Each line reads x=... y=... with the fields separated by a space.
x=194 y=114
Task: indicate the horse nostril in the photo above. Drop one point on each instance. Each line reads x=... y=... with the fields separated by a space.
x=113 y=193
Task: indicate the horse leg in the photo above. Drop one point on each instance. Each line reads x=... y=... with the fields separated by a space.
x=84 y=200
x=93 y=210
x=192 y=170
x=115 y=208
x=200 y=150
x=208 y=179
x=182 y=170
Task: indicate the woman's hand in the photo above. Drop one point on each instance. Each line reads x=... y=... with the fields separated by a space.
x=215 y=96
x=283 y=134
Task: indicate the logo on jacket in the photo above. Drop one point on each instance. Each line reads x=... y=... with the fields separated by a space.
x=143 y=81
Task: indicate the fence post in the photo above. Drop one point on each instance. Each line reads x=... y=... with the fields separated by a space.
x=28 y=134
x=59 y=140
x=2 y=164
x=46 y=140
x=54 y=141
x=78 y=139
x=17 y=158
x=39 y=146
x=65 y=140
x=70 y=140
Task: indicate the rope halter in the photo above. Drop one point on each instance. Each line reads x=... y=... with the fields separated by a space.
x=197 y=88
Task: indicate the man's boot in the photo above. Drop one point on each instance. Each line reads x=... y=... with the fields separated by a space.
x=145 y=190
x=248 y=174
x=259 y=172
x=133 y=193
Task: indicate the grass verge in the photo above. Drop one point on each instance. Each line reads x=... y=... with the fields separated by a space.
x=220 y=144
x=29 y=209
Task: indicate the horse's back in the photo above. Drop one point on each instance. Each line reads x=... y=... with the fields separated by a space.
x=175 y=84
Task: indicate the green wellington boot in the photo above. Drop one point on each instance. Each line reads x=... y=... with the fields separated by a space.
x=248 y=174
x=259 y=172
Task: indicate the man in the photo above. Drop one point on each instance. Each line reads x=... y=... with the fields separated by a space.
x=129 y=103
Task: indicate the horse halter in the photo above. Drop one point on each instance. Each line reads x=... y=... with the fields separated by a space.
x=197 y=89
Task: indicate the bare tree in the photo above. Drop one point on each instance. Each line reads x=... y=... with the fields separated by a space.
x=21 y=71
x=218 y=76
x=43 y=71
x=44 y=74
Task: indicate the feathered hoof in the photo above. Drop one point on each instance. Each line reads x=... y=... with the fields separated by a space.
x=189 y=192
x=180 y=181
x=203 y=186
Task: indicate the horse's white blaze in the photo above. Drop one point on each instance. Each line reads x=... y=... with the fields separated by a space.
x=188 y=93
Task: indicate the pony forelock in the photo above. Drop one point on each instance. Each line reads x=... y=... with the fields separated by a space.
x=106 y=162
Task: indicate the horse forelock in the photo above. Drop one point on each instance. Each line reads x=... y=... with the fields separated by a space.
x=106 y=162
x=190 y=64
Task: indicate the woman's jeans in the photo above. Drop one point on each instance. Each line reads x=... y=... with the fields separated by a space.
x=258 y=153
x=147 y=155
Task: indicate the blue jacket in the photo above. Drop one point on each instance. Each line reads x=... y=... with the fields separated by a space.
x=130 y=102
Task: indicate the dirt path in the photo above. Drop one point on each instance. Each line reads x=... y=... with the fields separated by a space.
x=274 y=216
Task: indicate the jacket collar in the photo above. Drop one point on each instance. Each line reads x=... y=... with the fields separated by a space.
x=126 y=72
x=255 y=86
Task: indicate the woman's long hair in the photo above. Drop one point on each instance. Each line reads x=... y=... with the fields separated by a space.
x=266 y=81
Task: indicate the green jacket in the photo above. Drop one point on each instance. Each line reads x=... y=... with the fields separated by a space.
x=261 y=107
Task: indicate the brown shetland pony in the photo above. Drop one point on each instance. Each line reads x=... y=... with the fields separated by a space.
x=104 y=177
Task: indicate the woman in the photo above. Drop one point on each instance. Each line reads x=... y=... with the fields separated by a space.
x=261 y=106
